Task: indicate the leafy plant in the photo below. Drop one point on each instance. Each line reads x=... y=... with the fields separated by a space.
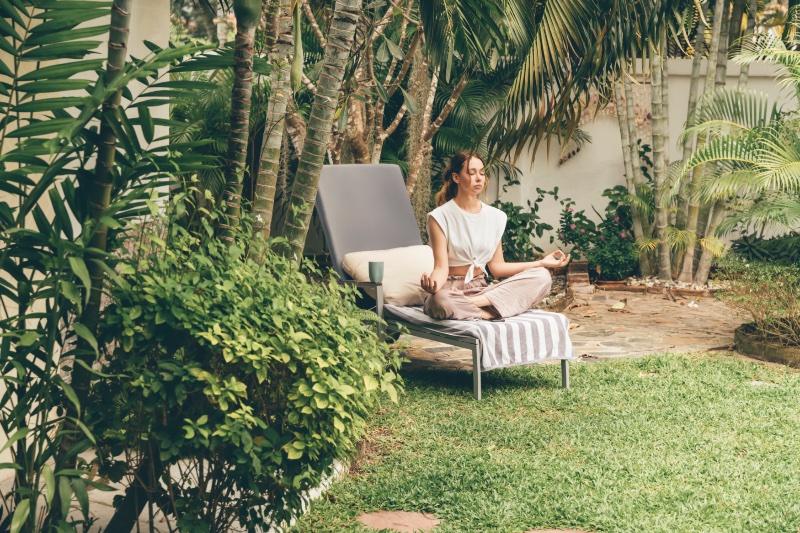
x=785 y=249
x=75 y=165
x=576 y=229
x=522 y=225
x=233 y=376
x=766 y=291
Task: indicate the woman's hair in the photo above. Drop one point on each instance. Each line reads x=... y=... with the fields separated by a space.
x=450 y=187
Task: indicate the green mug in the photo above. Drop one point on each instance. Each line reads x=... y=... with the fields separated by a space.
x=376 y=271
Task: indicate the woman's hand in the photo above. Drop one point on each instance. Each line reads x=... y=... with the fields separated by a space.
x=429 y=284
x=556 y=259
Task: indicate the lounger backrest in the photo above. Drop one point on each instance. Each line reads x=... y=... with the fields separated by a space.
x=364 y=207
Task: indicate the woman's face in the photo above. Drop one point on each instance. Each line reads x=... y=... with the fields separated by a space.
x=472 y=178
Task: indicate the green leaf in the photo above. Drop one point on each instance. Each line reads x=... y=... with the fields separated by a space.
x=64 y=36
x=395 y=50
x=63 y=71
x=411 y=103
x=44 y=127
x=70 y=393
x=28 y=338
x=64 y=494
x=49 y=484
x=146 y=123
x=66 y=19
x=79 y=488
x=84 y=333
x=5 y=46
x=72 y=50
x=6 y=30
x=80 y=270
x=11 y=12
x=19 y=434
x=49 y=104
x=70 y=5
x=384 y=95
x=20 y=515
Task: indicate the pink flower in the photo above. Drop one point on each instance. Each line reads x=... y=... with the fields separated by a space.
x=602 y=238
x=571 y=210
x=583 y=230
x=616 y=219
x=622 y=235
x=560 y=235
x=573 y=226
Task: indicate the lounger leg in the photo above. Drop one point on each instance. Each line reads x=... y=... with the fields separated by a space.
x=564 y=374
x=379 y=310
x=476 y=371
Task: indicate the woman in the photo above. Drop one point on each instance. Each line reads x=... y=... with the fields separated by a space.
x=466 y=236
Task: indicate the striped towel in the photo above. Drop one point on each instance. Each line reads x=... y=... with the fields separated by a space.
x=530 y=337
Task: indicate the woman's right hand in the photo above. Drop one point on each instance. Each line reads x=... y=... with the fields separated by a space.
x=429 y=284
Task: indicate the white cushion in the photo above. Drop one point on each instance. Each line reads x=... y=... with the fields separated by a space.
x=402 y=270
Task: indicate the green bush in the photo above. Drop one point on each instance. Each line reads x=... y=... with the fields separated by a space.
x=785 y=249
x=768 y=292
x=229 y=366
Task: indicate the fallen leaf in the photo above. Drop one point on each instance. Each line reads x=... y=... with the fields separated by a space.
x=618 y=305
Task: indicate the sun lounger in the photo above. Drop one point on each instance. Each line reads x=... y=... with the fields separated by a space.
x=366 y=207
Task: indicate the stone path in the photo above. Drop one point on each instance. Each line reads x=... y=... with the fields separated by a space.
x=648 y=324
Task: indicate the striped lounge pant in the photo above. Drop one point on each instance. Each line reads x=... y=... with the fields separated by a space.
x=510 y=297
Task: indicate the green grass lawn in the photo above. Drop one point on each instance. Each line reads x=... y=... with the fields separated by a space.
x=666 y=443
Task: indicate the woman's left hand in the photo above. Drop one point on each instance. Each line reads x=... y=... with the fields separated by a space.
x=556 y=259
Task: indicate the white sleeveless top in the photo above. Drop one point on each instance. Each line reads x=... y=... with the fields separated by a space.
x=472 y=238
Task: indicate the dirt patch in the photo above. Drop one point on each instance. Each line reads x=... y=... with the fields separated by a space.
x=375 y=445
x=400 y=521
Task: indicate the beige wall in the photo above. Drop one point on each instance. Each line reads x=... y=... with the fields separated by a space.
x=150 y=21
x=599 y=166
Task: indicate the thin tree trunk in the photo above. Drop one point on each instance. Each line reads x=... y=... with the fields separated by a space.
x=248 y=15
x=622 y=118
x=222 y=24
x=735 y=27
x=638 y=177
x=722 y=56
x=206 y=19
x=694 y=86
x=357 y=132
x=687 y=268
x=433 y=128
x=99 y=192
x=419 y=154
x=280 y=91
x=706 y=258
x=744 y=72
x=306 y=182
x=660 y=162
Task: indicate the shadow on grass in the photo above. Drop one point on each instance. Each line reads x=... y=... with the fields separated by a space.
x=459 y=382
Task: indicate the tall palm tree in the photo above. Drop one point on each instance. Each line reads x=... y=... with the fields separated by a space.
x=753 y=151
x=306 y=182
x=248 y=15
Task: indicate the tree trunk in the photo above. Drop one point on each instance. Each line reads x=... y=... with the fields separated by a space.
x=660 y=124
x=306 y=182
x=687 y=268
x=622 y=118
x=694 y=86
x=222 y=24
x=280 y=91
x=735 y=27
x=99 y=192
x=722 y=55
x=704 y=265
x=418 y=155
x=248 y=15
x=744 y=72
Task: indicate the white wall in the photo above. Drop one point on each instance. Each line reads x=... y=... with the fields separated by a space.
x=599 y=165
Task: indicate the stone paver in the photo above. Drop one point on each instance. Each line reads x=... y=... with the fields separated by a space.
x=649 y=324
x=403 y=521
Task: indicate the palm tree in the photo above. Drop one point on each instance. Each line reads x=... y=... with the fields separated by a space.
x=753 y=150
x=306 y=182
x=248 y=15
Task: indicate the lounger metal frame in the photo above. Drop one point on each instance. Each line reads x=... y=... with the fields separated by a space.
x=473 y=344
